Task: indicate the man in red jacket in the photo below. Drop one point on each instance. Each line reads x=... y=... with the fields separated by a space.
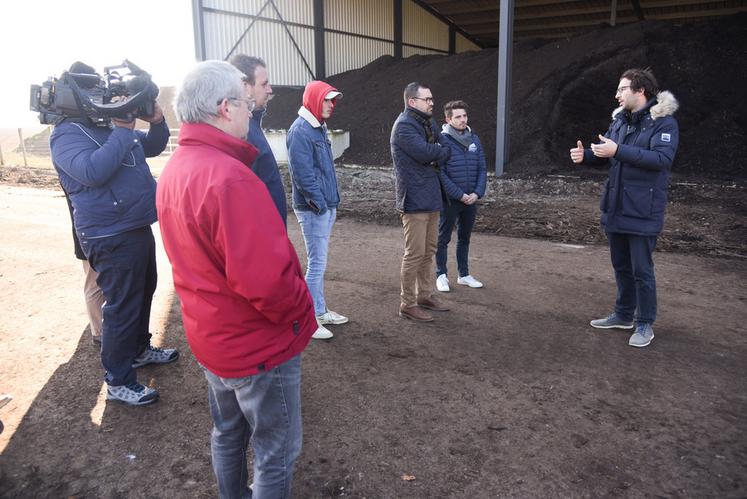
x=247 y=311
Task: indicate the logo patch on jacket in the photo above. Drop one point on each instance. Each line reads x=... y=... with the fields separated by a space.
x=665 y=137
x=472 y=147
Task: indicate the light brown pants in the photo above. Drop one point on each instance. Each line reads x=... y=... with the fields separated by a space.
x=94 y=299
x=417 y=275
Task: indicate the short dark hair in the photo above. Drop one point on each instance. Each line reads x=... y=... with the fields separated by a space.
x=248 y=65
x=412 y=89
x=642 y=79
x=455 y=104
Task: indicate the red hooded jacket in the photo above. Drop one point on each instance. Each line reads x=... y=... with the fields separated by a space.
x=313 y=97
x=244 y=300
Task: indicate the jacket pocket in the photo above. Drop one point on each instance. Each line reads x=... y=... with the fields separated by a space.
x=637 y=201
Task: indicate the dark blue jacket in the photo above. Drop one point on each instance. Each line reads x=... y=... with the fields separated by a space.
x=416 y=181
x=635 y=194
x=265 y=166
x=104 y=172
x=465 y=172
x=312 y=168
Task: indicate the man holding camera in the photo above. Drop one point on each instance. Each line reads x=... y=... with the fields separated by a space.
x=639 y=148
x=111 y=188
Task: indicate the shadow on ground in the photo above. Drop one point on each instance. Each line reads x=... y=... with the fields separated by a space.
x=508 y=395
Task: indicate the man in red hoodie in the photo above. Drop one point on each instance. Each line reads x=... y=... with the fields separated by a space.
x=315 y=194
x=246 y=309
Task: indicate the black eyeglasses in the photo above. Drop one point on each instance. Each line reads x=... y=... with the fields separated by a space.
x=426 y=99
x=620 y=89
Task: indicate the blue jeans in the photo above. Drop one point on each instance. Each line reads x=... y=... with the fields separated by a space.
x=264 y=410
x=126 y=264
x=316 y=230
x=634 y=273
x=464 y=217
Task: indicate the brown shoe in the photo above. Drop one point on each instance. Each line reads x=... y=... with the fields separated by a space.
x=433 y=304
x=415 y=313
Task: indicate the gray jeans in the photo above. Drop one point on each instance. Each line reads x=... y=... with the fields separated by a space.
x=264 y=410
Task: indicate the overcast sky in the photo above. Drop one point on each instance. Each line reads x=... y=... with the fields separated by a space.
x=39 y=39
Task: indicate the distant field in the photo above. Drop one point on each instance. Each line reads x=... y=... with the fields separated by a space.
x=9 y=136
x=16 y=159
x=9 y=142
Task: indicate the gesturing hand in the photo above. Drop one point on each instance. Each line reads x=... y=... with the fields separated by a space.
x=577 y=153
x=606 y=149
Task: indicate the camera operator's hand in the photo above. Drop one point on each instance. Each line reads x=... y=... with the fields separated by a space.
x=124 y=124
x=156 y=117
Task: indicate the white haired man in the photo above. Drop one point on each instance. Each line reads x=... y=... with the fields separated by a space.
x=246 y=309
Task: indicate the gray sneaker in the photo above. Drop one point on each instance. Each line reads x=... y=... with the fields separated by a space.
x=155 y=355
x=642 y=337
x=611 y=322
x=132 y=394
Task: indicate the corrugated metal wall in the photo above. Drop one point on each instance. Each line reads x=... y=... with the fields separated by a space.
x=364 y=17
x=421 y=28
x=463 y=44
x=345 y=52
x=356 y=33
x=294 y=11
x=226 y=23
x=410 y=51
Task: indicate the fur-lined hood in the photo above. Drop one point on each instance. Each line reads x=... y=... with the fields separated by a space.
x=666 y=105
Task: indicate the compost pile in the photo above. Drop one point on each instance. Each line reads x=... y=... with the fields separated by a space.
x=562 y=90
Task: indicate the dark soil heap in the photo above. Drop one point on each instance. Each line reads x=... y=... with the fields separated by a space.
x=562 y=90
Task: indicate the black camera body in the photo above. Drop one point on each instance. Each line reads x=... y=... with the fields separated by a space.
x=93 y=99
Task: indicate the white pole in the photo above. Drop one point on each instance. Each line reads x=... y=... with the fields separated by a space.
x=23 y=147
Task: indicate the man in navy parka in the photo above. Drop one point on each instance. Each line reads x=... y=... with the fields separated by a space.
x=639 y=148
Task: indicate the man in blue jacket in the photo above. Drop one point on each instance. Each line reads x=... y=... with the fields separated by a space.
x=417 y=156
x=639 y=148
x=315 y=193
x=463 y=177
x=265 y=166
x=111 y=188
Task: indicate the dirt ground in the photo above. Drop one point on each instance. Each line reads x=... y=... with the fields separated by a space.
x=704 y=216
x=511 y=394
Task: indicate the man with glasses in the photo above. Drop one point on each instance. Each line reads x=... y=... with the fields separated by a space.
x=246 y=309
x=315 y=193
x=417 y=156
x=265 y=166
x=639 y=148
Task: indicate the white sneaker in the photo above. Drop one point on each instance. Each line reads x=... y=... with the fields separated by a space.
x=330 y=317
x=470 y=281
x=322 y=333
x=442 y=283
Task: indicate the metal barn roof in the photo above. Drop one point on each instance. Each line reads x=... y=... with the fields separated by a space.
x=478 y=19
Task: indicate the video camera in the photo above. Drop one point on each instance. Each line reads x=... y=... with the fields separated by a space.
x=92 y=99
